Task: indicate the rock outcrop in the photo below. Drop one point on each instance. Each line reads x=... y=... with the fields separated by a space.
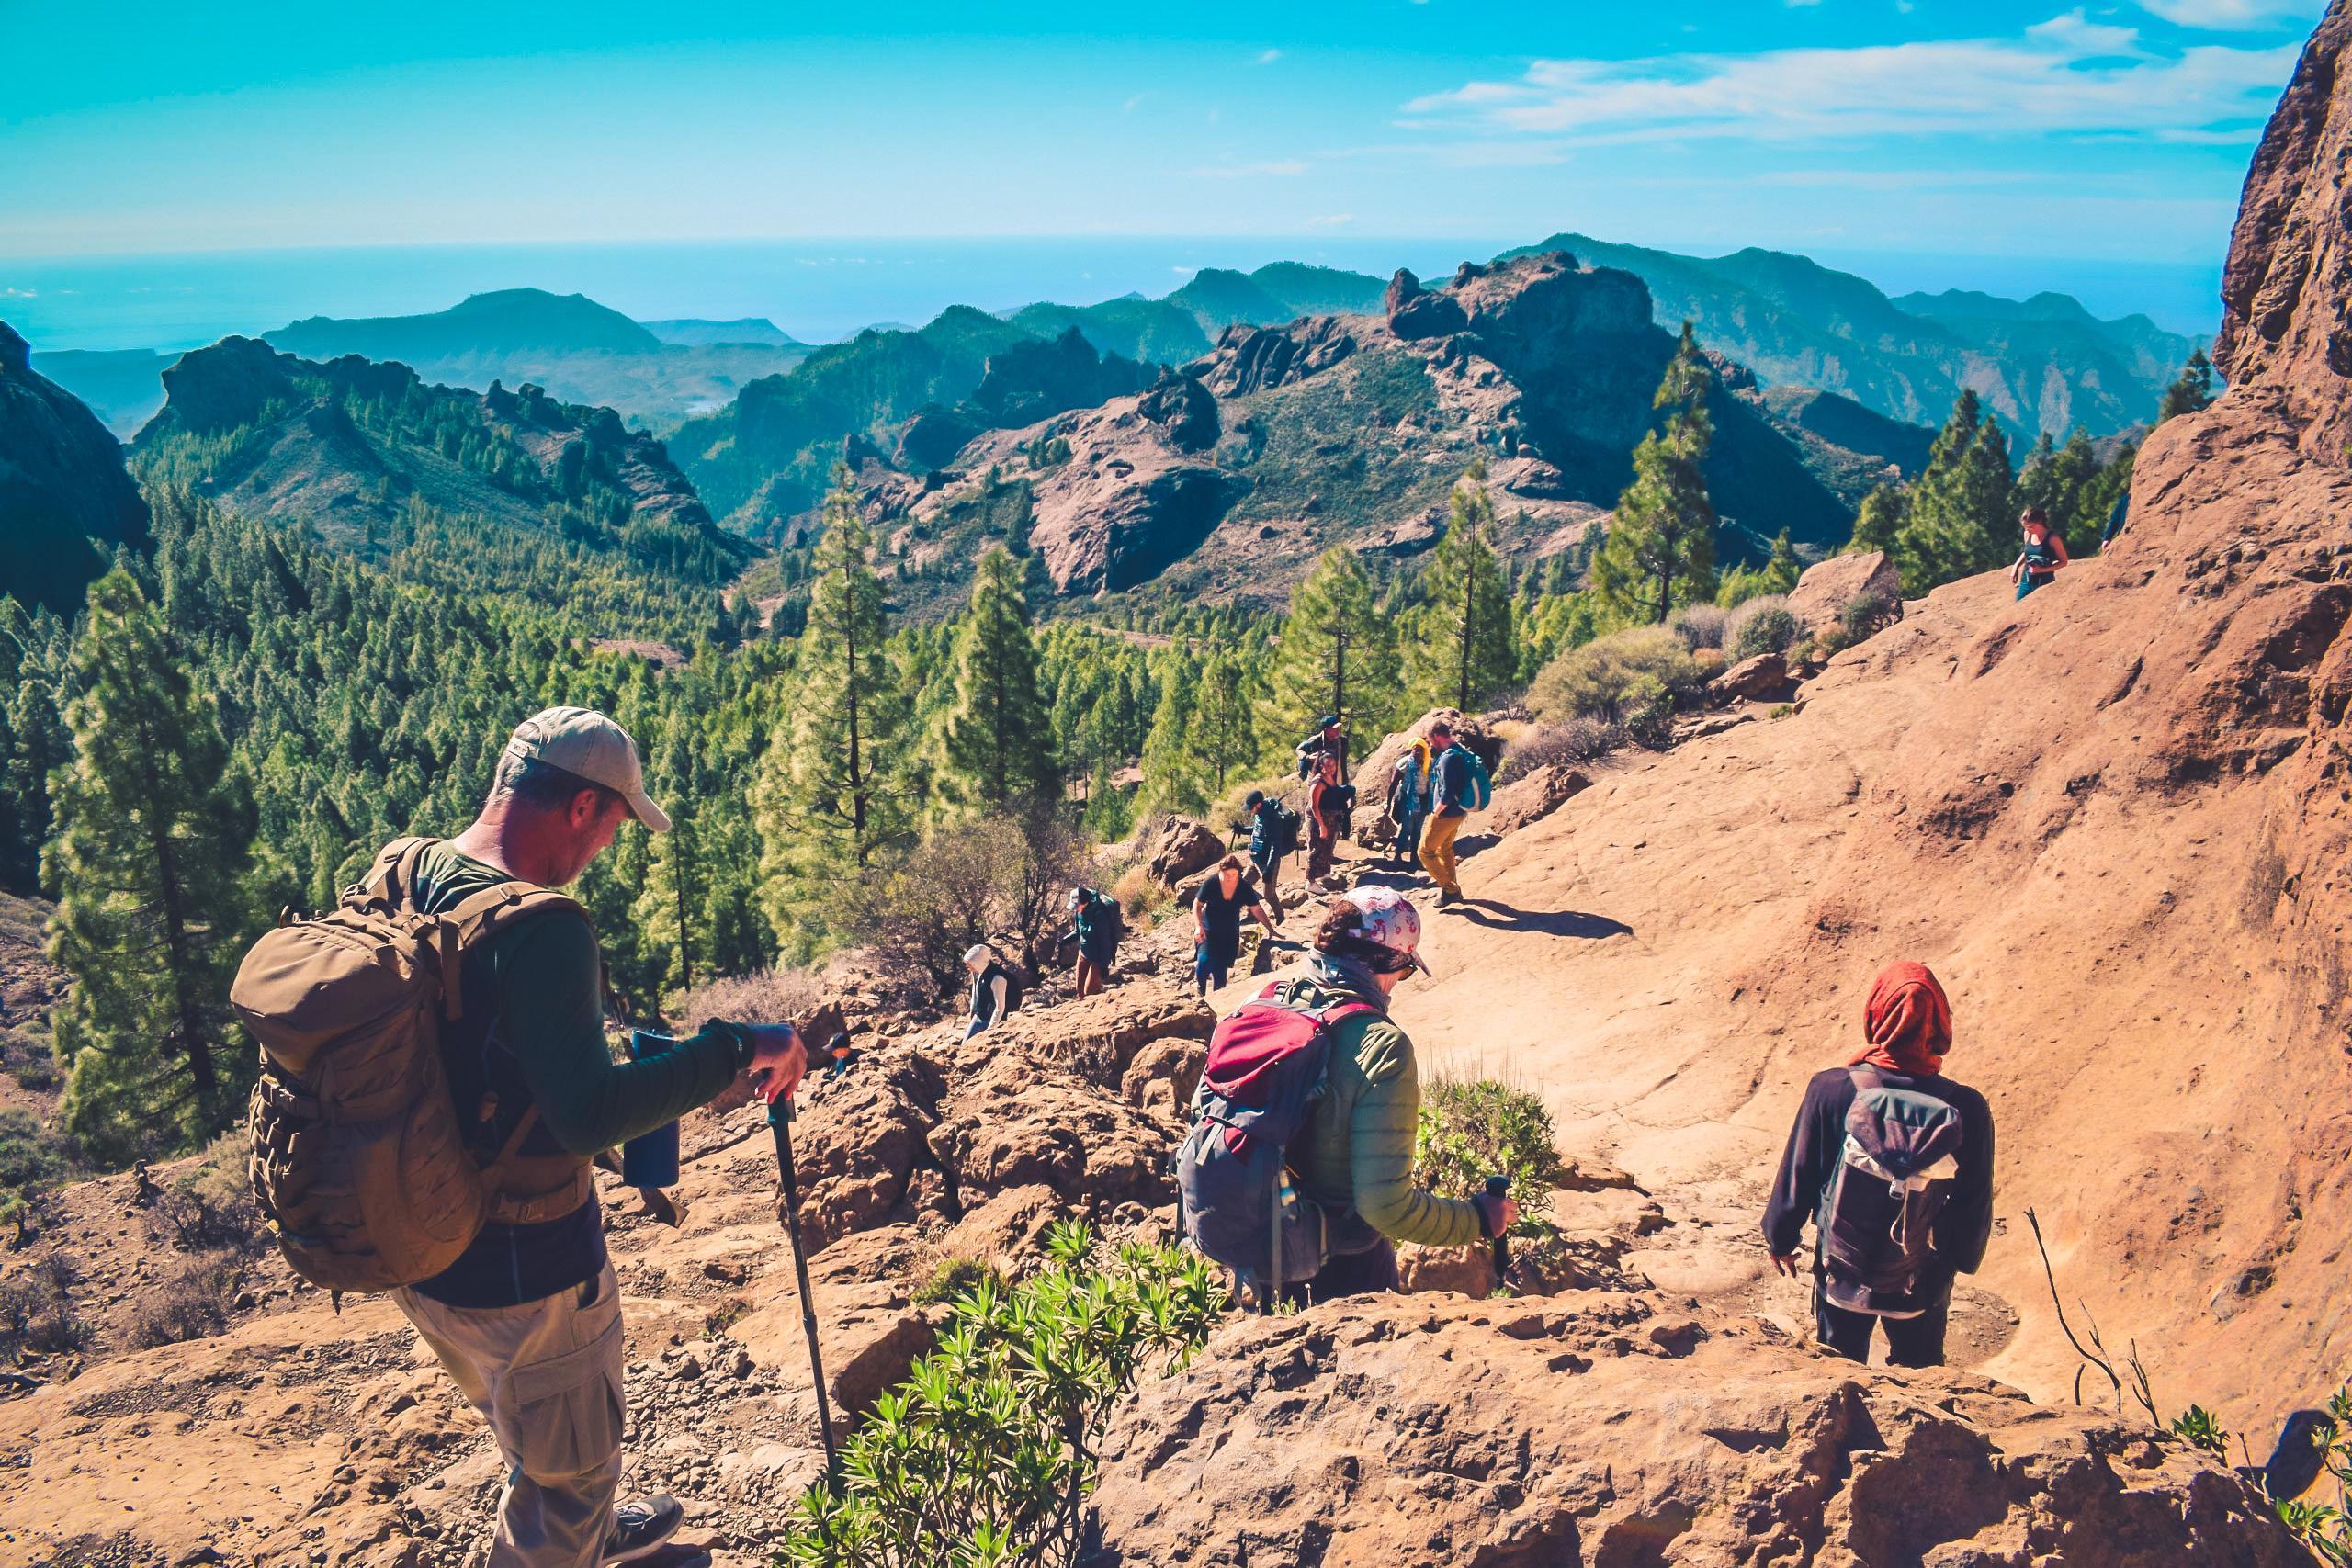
x=1614 y=1429
x=1182 y=846
x=65 y=501
x=1822 y=593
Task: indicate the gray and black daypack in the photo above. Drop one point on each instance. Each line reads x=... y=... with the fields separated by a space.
x=1894 y=1178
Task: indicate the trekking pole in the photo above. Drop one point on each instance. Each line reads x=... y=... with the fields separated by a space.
x=780 y=1122
x=1499 y=1188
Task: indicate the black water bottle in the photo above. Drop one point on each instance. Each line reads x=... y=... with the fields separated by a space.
x=1499 y=1188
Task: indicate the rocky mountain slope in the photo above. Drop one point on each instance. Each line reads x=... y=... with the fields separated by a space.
x=2112 y=816
x=123 y=387
x=1226 y=480
x=2040 y=363
x=65 y=500
x=349 y=449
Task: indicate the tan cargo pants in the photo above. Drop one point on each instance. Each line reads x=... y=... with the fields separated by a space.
x=546 y=1376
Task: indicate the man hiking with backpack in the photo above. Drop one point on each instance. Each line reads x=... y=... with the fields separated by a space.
x=1273 y=833
x=1892 y=1163
x=1307 y=1108
x=1458 y=786
x=526 y=1315
x=1096 y=923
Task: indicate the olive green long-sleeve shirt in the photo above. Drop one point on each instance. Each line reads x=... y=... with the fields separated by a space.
x=542 y=982
x=1357 y=1148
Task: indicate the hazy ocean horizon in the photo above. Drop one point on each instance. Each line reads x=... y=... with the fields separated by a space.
x=819 y=291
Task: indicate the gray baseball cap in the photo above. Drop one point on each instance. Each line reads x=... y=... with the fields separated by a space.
x=587 y=745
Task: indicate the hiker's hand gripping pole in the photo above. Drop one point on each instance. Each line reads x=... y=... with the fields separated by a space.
x=776 y=1069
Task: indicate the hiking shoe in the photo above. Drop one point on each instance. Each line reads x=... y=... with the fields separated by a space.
x=1448 y=896
x=639 y=1529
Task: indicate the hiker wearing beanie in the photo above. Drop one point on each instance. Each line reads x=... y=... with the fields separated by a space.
x=528 y=1320
x=1353 y=1154
x=1893 y=1162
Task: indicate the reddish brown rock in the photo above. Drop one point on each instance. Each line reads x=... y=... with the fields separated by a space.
x=1605 y=1428
x=1763 y=679
x=1181 y=846
x=1533 y=796
x=1821 y=595
x=1464 y=1270
x=1008 y=1229
x=1163 y=1075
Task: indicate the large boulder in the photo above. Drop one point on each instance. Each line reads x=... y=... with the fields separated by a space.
x=1181 y=846
x=1416 y=312
x=1763 y=679
x=1600 y=1427
x=1534 y=795
x=1821 y=595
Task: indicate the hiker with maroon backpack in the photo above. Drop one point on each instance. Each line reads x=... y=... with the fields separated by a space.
x=1892 y=1163
x=435 y=1083
x=1297 y=1173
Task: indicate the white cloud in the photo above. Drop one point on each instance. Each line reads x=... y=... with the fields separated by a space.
x=2232 y=13
x=1270 y=56
x=2066 y=75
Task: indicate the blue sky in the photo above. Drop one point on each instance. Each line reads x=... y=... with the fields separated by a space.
x=1927 y=127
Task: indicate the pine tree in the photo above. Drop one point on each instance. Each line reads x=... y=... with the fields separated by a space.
x=1464 y=651
x=1959 y=520
x=1172 y=780
x=1334 y=658
x=836 y=795
x=1660 y=551
x=152 y=855
x=1783 y=568
x=997 y=738
x=1225 y=729
x=1881 y=520
x=2193 y=390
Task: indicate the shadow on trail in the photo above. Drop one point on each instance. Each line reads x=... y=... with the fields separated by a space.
x=1500 y=917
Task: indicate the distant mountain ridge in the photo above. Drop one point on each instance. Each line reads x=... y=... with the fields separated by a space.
x=508 y=320
x=2040 y=363
x=535 y=494
x=693 y=332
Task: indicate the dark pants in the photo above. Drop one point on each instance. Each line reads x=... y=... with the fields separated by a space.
x=1213 y=959
x=1407 y=844
x=2027 y=582
x=1269 y=867
x=1350 y=1274
x=1910 y=1341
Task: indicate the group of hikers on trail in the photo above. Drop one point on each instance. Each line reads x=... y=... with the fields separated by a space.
x=437 y=1084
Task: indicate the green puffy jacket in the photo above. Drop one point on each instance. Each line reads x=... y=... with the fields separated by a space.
x=1356 y=1150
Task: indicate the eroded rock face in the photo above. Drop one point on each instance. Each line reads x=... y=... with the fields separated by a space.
x=1763 y=679
x=1535 y=797
x=1821 y=595
x=1182 y=846
x=1255 y=359
x=1608 y=1429
x=2288 y=282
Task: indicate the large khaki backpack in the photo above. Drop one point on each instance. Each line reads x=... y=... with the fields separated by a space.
x=359 y=1161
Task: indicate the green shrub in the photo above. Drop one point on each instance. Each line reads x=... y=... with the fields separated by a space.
x=984 y=1456
x=37 y=1310
x=953 y=1277
x=1473 y=1128
x=1866 y=615
x=30 y=1159
x=1633 y=679
x=1761 y=625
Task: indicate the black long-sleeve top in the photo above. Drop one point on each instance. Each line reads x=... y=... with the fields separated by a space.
x=1818 y=1141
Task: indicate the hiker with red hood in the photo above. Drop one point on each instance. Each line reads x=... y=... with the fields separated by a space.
x=1892 y=1163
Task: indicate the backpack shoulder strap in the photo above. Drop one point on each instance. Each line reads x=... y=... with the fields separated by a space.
x=392 y=878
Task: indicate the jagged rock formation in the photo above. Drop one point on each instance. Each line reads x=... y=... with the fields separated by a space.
x=1029 y=382
x=1613 y=1428
x=1822 y=593
x=1352 y=429
x=343 y=446
x=65 y=500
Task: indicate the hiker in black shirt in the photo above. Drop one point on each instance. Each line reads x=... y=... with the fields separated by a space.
x=1217 y=910
x=1908 y=1026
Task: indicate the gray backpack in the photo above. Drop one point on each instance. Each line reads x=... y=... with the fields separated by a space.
x=1894 y=1178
